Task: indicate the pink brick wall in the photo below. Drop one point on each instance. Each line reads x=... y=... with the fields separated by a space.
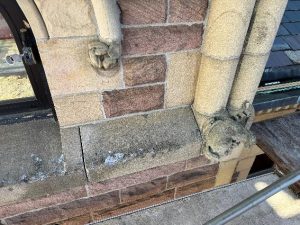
x=151 y=29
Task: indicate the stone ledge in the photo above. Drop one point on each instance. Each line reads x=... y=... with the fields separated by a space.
x=118 y=147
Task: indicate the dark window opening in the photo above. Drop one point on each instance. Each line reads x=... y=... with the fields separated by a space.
x=22 y=78
x=262 y=165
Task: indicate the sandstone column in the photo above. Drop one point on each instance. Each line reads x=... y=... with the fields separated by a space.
x=224 y=37
x=264 y=26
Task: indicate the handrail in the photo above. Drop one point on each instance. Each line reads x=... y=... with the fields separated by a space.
x=255 y=199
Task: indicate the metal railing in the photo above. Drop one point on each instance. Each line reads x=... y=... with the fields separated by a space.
x=255 y=199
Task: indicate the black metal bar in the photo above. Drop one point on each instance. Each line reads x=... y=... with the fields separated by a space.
x=255 y=199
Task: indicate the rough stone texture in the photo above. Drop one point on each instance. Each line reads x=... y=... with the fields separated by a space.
x=198 y=162
x=250 y=75
x=51 y=185
x=85 y=219
x=46 y=201
x=62 y=212
x=195 y=187
x=192 y=176
x=163 y=39
x=213 y=98
x=143 y=176
x=141 y=99
x=30 y=151
x=226 y=170
x=129 y=207
x=283 y=208
x=226 y=28
x=144 y=190
x=118 y=147
x=67 y=18
x=143 y=70
x=34 y=18
x=71 y=148
x=78 y=109
x=265 y=26
x=182 y=75
x=245 y=164
x=73 y=72
x=253 y=151
x=143 y=12
x=187 y=11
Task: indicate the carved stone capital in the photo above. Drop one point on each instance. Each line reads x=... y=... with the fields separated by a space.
x=224 y=137
x=104 y=56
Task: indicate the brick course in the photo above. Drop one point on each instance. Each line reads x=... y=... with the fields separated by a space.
x=144 y=70
x=120 y=102
x=187 y=10
x=143 y=11
x=150 y=40
x=135 y=194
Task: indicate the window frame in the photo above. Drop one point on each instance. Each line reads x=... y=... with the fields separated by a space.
x=15 y=18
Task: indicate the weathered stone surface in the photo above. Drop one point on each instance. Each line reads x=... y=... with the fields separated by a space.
x=187 y=11
x=140 y=99
x=282 y=208
x=195 y=187
x=143 y=70
x=43 y=216
x=46 y=201
x=123 y=146
x=192 y=176
x=182 y=76
x=141 y=203
x=163 y=39
x=86 y=205
x=73 y=72
x=30 y=151
x=143 y=12
x=226 y=171
x=143 y=176
x=144 y=190
x=198 y=162
x=78 y=109
x=71 y=148
x=85 y=219
x=245 y=164
x=67 y=18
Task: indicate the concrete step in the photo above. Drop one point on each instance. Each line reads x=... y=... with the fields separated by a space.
x=281 y=209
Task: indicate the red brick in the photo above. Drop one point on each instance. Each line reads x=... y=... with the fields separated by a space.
x=195 y=187
x=144 y=70
x=121 y=102
x=197 y=162
x=187 y=10
x=140 y=191
x=192 y=176
x=133 y=206
x=43 y=216
x=5 y=32
x=150 y=40
x=86 y=205
x=142 y=11
x=135 y=178
x=27 y=205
